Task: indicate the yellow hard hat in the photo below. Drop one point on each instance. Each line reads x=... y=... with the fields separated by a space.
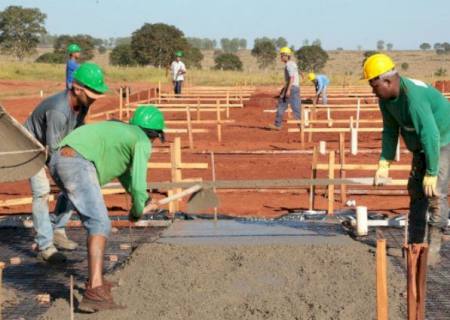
x=376 y=65
x=286 y=50
x=311 y=76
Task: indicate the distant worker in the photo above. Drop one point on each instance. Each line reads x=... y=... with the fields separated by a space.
x=74 y=52
x=421 y=115
x=321 y=82
x=92 y=156
x=290 y=93
x=178 y=70
x=49 y=123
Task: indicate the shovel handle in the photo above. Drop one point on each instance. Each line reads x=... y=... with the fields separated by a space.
x=177 y=196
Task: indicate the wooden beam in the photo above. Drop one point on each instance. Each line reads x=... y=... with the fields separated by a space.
x=381 y=282
x=331 y=161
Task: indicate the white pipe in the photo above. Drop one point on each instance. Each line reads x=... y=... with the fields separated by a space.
x=361 y=221
x=322 y=147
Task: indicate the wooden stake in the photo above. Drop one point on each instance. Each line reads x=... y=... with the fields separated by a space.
x=331 y=161
x=228 y=105
x=127 y=101
x=189 y=127
x=382 y=290
x=312 y=189
x=121 y=103
x=175 y=158
x=72 y=316
x=219 y=123
x=342 y=163
x=313 y=117
x=416 y=280
x=213 y=168
x=198 y=108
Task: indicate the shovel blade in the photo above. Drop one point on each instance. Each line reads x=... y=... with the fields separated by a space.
x=202 y=200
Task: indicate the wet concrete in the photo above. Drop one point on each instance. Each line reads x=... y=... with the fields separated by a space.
x=235 y=232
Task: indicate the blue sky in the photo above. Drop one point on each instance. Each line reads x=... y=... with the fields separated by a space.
x=338 y=23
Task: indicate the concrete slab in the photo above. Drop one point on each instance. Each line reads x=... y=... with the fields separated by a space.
x=235 y=232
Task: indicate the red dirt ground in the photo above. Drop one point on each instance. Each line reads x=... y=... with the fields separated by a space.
x=248 y=133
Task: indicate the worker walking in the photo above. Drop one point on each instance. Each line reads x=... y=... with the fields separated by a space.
x=321 y=83
x=290 y=93
x=74 y=51
x=421 y=115
x=178 y=70
x=92 y=156
x=49 y=123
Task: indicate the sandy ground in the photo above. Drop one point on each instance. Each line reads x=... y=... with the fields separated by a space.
x=320 y=282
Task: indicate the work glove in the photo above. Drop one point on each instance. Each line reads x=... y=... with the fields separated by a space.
x=382 y=172
x=429 y=186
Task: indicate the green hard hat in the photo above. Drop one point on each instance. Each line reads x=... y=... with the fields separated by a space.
x=73 y=47
x=91 y=77
x=179 y=53
x=148 y=117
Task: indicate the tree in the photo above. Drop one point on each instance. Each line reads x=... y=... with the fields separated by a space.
x=311 y=58
x=380 y=45
x=86 y=43
x=243 y=44
x=229 y=45
x=404 y=66
x=20 y=30
x=442 y=48
x=265 y=53
x=425 y=46
x=102 y=49
x=369 y=53
x=281 y=42
x=441 y=72
x=305 y=43
x=122 y=55
x=155 y=44
x=317 y=43
x=51 y=57
x=193 y=58
x=389 y=46
x=228 y=61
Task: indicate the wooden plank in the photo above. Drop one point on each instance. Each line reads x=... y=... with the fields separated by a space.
x=341 y=166
x=331 y=161
x=381 y=282
x=334 y=130
x=189 y=128
x=348 y=166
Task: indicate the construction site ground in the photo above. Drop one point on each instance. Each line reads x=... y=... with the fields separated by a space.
x=245 y=277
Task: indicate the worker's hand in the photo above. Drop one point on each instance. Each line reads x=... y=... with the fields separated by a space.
x=382 y=172
x=429 y=186
x=134 y=217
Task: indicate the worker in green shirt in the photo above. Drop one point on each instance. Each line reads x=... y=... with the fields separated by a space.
x=92 y=156
x=421 y=115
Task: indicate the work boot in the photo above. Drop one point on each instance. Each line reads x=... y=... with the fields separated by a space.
x=98 y=299
x=273 y=127
x=434 y=245
x=106 y=283
x=51 y=255
x=61 y=241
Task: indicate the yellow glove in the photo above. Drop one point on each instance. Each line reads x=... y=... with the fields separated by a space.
x=429 y=185
x=382 y=172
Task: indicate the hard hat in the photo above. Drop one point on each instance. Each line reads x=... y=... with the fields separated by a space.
x=376 y=65
x=179 y=53
x=91 y=77
x=148 y=117
x=311 y=76
x=286 y=50
x=72 y=48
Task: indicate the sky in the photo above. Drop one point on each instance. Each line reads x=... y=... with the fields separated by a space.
x=339 y=23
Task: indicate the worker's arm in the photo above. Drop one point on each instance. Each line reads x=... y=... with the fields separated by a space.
x=428 y=132
x=389 y=136
x=134 y=180
x=56 y=129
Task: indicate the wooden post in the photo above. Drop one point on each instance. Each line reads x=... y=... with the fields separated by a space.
x=382 y=290
x=159 y=91
x=313 y=117
x=127 y=101
x=121 y=103
x=331 y=160
x=213 y=172
x=342 y=163
x=72 y=316
x=189 y=127
x=198 y=108
x=228 y=105
x=312 y=188
x=149 y=95
x=358 y=109
x=175 y=159
x=219 y=123
x=329 y=117
x=416 y=280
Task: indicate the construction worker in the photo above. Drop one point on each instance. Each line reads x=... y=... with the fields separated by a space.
x=92 y=156
x=321 y=82
x=178 y=70
x=290 y=93
x=49 y=123
x=421 y=115
x=74 y=51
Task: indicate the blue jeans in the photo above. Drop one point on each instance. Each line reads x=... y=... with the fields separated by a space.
x=294 y=101
x=42 y=222
x=323 y=94
x=419 y=204
x=77 y=178
x=177 y=86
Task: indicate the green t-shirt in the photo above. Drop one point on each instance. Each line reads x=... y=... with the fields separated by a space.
x=118 y=150
x=421 y=114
